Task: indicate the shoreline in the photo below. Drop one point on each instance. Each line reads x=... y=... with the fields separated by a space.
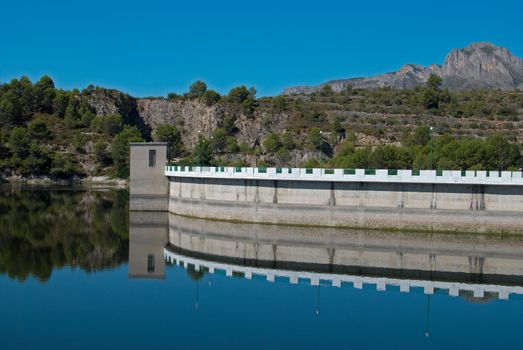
x=92 y=182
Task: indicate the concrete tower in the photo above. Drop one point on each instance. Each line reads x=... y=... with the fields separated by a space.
x=149 y=187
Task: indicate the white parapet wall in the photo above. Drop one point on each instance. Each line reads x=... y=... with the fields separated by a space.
x=471 y=177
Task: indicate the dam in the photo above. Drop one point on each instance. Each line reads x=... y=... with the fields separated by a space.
x=422 y=200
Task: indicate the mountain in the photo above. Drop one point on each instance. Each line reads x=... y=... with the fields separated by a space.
x=48 y=133
x=477 y=66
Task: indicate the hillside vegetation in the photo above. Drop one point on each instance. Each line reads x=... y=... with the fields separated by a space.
x=47 y=131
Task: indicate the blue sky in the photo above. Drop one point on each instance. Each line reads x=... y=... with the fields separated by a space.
x=150 y=48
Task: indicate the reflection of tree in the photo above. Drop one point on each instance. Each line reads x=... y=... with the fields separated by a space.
x=486 y=298
x=43 y=229
x=193 y=274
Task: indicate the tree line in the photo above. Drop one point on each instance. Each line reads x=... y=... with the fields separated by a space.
x=49 y=131
x=44 y=130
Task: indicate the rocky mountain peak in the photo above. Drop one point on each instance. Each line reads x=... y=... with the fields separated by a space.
x=479 y=65
x=482 y=65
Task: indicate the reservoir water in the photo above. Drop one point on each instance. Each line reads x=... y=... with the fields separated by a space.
x=78 y=271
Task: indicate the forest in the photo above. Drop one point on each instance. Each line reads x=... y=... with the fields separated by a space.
x=47 y=131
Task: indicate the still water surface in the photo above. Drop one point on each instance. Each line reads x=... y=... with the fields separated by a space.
x=75 y=274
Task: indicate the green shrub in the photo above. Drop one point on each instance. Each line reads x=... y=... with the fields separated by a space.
x=272 y=143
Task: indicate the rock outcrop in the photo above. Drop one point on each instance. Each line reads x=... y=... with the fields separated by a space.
x=480 y=65
x=191 y=117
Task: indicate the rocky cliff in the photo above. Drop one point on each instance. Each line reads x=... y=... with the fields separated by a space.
x=191 y=117
x=479 y=65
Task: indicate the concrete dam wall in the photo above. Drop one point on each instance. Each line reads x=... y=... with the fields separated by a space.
x=432 y=207
x=459 y=201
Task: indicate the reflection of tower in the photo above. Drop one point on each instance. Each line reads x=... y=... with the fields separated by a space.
x=427 y=326
x=148 y=234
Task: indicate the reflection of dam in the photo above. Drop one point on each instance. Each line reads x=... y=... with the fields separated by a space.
x=482 y=266
x=314 y=278
x=477 y=265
